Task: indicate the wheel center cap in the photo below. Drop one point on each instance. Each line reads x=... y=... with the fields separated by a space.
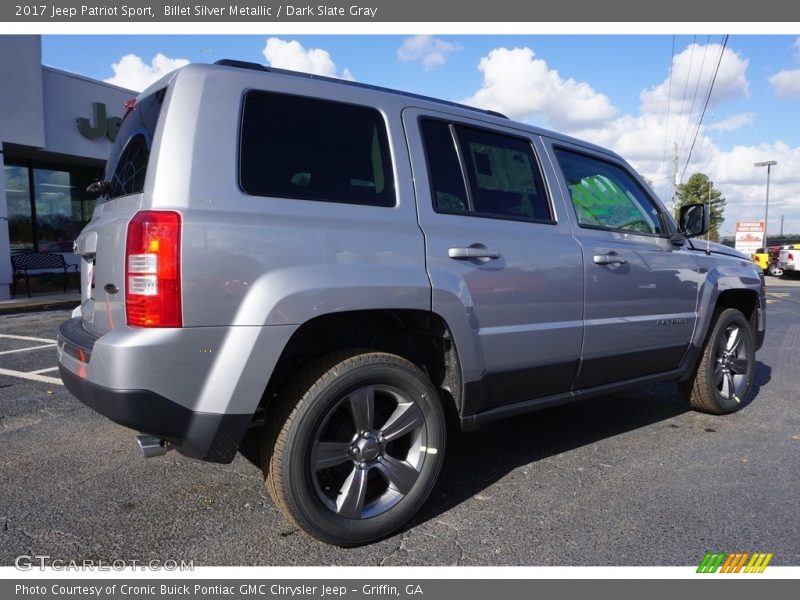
x=369 y=448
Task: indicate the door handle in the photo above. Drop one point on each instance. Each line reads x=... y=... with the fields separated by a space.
x=609 y=259
x=472 y=252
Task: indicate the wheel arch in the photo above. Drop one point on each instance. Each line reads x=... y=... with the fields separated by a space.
x=420 y=336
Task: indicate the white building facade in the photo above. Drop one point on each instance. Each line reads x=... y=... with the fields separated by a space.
x=56 y=130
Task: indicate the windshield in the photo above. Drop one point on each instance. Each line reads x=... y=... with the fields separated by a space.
x=127 y=164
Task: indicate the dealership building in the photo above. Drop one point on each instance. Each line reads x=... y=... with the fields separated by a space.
x=56 y=130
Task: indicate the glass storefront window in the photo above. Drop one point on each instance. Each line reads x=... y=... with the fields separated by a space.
x=50 y=216
x=20 y=216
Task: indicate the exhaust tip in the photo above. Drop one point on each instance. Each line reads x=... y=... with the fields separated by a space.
x=152 y=446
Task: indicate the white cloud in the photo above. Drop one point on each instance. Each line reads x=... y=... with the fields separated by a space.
x=132 y=72
x=291 y=55
x=733 y=123
x=522 y=86
x=786 y=83
x=431 y=51
x=692 y=72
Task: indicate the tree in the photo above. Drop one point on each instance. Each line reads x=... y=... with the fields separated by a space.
x=700 y=189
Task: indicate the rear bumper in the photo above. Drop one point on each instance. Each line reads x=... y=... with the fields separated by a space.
x=206 y=436
x=87 y=363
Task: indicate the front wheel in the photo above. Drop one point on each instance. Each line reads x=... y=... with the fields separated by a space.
x=357 y=448
x=724 y=376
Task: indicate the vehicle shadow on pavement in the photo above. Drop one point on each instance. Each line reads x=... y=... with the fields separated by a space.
x=477 y=460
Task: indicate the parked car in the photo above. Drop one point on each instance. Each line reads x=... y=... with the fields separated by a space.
x=788 y=259
x=363 y=272
x=768 y=260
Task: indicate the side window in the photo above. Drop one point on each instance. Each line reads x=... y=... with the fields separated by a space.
x=449 y=191
x=311 y=149
x=482 y=173
x=606 y=196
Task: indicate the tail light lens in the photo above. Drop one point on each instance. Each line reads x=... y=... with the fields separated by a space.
x=790 y=256
x=153 y=270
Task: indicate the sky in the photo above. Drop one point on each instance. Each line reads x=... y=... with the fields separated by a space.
x=642 y=96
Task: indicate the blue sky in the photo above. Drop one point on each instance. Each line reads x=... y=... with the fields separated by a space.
x=595 y=87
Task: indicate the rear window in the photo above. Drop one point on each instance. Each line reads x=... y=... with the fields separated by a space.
x=311 y=149
x=127 y=166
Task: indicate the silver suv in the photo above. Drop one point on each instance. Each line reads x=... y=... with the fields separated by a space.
x=362 y=272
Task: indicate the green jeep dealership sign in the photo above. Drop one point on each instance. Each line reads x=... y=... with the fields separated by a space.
x=103 y=125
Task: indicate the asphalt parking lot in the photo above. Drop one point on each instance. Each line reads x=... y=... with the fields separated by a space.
x=629 y=479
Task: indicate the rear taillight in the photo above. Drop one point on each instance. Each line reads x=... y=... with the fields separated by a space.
x=153 y=270
x=790 y=256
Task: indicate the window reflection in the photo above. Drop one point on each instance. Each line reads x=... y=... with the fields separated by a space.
x=50 y=216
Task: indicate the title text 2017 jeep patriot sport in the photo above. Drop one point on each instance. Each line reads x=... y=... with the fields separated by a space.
x=356 y=268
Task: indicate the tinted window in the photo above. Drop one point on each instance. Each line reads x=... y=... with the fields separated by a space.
x=127 y=166
x=299 y=147
x=447 y=180
x=606 y=196
x=502 y=174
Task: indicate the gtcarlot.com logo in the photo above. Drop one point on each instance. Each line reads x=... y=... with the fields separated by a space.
x=28 y=562
x=736 y=562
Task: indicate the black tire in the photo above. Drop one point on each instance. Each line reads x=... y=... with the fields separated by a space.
x=724 y=375
x=345 y=473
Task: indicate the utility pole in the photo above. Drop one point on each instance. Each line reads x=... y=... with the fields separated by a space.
x=782 y=225
x=769 y=164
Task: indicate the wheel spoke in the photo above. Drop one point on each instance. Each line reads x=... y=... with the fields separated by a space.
x=398 y=473
x=734 y=339
x=350 y=502
x=325 y=455
x=406 y=418
x=739 y=366
x=362 y=408
x=718 y=374
x=728 y=390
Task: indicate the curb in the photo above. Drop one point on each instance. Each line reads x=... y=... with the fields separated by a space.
x=39 y=306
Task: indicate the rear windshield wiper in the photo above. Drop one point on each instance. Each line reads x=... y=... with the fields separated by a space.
x=98 y=188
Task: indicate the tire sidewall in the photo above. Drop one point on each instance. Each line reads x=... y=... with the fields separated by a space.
x=317 y=403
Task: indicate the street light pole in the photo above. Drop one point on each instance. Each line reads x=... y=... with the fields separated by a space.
x=769 y=164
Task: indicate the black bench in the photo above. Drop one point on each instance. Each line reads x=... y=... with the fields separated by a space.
x=35 y=264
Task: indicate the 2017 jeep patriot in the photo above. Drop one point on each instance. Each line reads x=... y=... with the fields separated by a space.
x=354 y=267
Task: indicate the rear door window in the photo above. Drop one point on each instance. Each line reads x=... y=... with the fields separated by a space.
x=312 y=149
x=483 y=173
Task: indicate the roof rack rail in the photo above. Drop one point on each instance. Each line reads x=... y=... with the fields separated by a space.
x=242 y=64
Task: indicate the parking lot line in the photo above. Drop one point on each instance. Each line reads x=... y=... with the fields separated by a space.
x=40 y=371
x=26 y=349
x=27 y=338
x=32 y=376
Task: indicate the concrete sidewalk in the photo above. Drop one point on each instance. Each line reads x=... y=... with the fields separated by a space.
x=40 y=302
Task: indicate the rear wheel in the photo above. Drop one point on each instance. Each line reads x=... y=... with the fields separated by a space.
x=357 y=447
x=724 y=375
x=775 y=271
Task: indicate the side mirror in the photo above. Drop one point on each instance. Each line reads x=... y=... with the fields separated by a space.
x=694 y=220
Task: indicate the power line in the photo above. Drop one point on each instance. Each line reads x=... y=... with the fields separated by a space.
x=669 y=104
x=699 y=77
x=705 y=106
x=686 y=87
x=669 y=100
